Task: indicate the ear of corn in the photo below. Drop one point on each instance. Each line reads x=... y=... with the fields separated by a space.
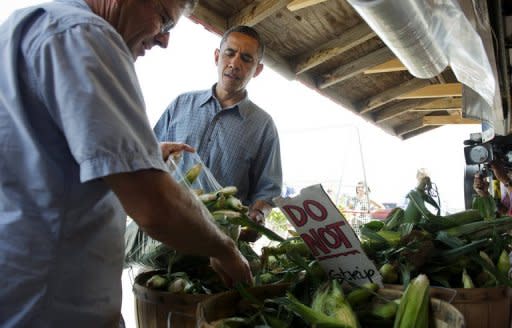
x=389 y=273
x=469 y=229
x=467 y=282
x=374 y=225
x=207 y=198
x=179 y=285
x=486 y=258
x=486 y=205
x=503 y=263
x=391 y=237
x=362 y=294
x=413 y=309
x=411 y=213
x=225 y=214
x=462 y=217
x=275 y=322
x=435 y=223
x=157 y=282
x=234 y=203
x=228 y=191
x=455 y=253
x=385 y=311
x=394 y=218
x=330 y=300
x=316 y=318
x=193 y=173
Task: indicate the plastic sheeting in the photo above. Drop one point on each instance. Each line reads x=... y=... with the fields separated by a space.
x=429 y=35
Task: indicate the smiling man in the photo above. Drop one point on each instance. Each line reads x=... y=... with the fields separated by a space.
x=78 y=154
x=236 y=139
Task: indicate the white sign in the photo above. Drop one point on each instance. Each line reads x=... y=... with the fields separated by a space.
x=329 y=236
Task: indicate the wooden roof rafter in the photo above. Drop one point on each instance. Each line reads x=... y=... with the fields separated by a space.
x=295 y=5
x=392 y=94
x=447 y=104
x=257 y=12
x=418 y=132
x=348 y=40
x=355 y=67
x=435 y=91
x=433 y=120
x=399 y=108
x=417 y=105
x=394 y=65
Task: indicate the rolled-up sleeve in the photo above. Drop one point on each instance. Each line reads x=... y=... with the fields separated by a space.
x=97 y=103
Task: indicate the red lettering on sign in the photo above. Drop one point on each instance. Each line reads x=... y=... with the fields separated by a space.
x=296 y=214
x=325 y=239
x=314 y=242
x=312 y=207
x=340 y=235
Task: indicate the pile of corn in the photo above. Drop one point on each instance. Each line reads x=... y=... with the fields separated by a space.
x=193 y=275
x=466 y=249
x=180 y=273
x=329 y=305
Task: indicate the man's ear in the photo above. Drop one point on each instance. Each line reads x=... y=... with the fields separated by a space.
x=258 y=69
x=216 y=56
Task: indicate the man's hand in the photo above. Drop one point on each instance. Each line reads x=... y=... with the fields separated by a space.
x=174 y=148
x=232 y=268
x=480 y=185
x=250 y=235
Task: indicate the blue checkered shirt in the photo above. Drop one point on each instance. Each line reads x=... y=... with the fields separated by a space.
x=240 y=144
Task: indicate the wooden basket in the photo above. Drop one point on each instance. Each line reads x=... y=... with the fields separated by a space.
x=224 y=305
x=481 y=307
x=155 y=309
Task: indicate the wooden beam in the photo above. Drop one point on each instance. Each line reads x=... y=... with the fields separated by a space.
x=437 y=120
x=394 y=65
x=356 y=67
x=256 y=12
x=398 y=109
x=448 y=104
x=418 y=132
x=300 y=4
x=409 y=127
x=309 y=81
x=348 y=40
x=448 y=119
x=436 y=91
x=210 y=20
x=393 y=93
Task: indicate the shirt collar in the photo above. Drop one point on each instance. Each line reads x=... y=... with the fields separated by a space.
x=243 y=107
x=78 y=3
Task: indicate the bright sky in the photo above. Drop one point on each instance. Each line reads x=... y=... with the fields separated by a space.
x=319 y=139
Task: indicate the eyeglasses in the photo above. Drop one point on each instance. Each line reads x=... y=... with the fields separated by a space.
x=167 y=21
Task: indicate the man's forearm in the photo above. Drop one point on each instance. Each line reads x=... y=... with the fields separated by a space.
x=169 y=213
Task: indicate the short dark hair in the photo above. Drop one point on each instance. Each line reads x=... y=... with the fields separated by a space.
x=249 y=31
